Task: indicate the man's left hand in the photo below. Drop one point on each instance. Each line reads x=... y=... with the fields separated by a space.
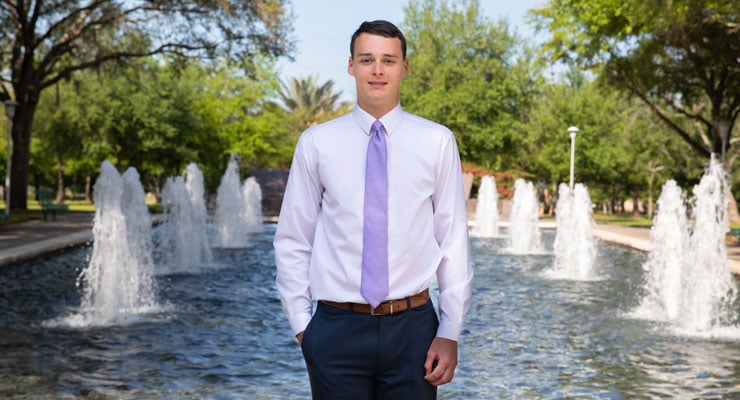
x=441 y=361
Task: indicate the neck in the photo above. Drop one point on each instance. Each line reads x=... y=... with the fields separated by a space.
x=376 y=111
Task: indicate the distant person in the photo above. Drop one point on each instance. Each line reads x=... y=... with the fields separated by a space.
x=373 y=212
x=542 y=196
x=551 y=211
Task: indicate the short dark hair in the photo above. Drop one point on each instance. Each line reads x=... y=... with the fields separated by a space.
x=380 y=28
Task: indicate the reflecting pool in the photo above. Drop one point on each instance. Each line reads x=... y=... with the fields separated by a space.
x=220 y=334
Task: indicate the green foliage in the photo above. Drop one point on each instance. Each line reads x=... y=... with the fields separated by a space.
x=679 y=57
x=311 y=102
x=158 y=117
x=467 y=72
x=242 y=116
x=620 y=145
x=45 y=43
x=470 y=74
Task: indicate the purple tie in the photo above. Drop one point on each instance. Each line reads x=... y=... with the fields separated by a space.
x=374 y=286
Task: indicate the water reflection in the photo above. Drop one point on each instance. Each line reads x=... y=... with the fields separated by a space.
x=224 y=335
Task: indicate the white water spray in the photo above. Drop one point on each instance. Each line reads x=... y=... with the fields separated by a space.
x=184 y=246
x=252 y=212
x=710 y=296
x=689 y=283
x=118 y=282
x=194 y=184
x=524 y=231
x=575 y=250
x=238 y=209
x=486 y=209
x=666 y=264
x=229 y=230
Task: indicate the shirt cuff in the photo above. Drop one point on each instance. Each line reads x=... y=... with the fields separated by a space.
x=449 y=330
x=299 y=322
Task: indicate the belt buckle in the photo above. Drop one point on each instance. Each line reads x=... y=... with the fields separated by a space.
x=390 y=304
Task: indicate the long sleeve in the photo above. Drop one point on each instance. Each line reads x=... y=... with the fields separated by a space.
x=294 y=237
x=454 y=275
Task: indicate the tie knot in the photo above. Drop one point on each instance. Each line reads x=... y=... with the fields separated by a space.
x=377 y=126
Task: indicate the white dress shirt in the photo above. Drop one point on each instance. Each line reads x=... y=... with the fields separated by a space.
x=318 y=242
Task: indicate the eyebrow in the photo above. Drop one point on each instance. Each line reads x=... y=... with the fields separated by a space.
x=384 y=55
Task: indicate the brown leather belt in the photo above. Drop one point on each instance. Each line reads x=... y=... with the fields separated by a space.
x=386 y=307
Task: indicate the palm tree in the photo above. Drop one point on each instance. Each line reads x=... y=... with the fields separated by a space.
x=303 y=96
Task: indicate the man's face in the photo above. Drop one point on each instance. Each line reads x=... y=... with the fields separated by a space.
x=378 y=67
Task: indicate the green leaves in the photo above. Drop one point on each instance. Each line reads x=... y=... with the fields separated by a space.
x=678 y=57
x=470 y=74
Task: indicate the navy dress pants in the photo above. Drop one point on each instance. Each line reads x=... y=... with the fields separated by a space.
x=351 y=355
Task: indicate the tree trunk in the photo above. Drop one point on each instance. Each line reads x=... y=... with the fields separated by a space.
x=614 y=199
x=60 y=183
x=21 y=153
x=88 y=188
x=635 y=201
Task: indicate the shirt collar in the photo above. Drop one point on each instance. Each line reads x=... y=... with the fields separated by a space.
x=390 y=120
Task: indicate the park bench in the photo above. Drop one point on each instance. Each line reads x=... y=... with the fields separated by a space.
x=46 y=200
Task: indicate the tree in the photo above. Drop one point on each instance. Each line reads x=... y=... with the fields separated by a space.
x=57 y=137
x=42 y=43
x=472 y=75
x=309 y=101
x=679 y=57
x=242 y=115
x=620 y=148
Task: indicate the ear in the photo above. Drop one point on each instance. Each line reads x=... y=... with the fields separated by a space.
x=350 y=64
x=405 y=72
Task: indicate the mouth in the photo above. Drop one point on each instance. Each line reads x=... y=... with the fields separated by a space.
x=377 y=84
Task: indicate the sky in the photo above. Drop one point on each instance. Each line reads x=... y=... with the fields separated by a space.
x=322 y=30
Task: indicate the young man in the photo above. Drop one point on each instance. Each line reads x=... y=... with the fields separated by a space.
x=336 y=209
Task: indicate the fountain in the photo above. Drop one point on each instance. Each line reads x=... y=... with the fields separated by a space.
x=688 y=282
x=524 y=337
x=118 y=283
x=231 y=231
x=666 y=263
x=183 y=244
x=524 y=230
x=486 y=209
x=575 y=251
x=252 y=205
x=195 y=187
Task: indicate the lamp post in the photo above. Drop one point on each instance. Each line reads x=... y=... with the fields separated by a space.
x=10 y=113
x=572 y=131
x=723 y=128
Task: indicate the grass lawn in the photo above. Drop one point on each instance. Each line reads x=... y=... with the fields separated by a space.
x=624 y=219
x=628 y=220
x=34 y=210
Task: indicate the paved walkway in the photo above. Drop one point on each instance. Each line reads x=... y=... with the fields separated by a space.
x=639 y=239
x=28 y=240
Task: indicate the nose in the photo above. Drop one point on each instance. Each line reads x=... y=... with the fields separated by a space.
x=378 y=69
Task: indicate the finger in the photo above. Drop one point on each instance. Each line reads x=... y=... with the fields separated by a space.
x=444 y=377
x=447 y=376
x=429 y=364
x=437 y=371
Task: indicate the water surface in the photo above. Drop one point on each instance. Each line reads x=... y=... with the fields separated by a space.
x=222 y=335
